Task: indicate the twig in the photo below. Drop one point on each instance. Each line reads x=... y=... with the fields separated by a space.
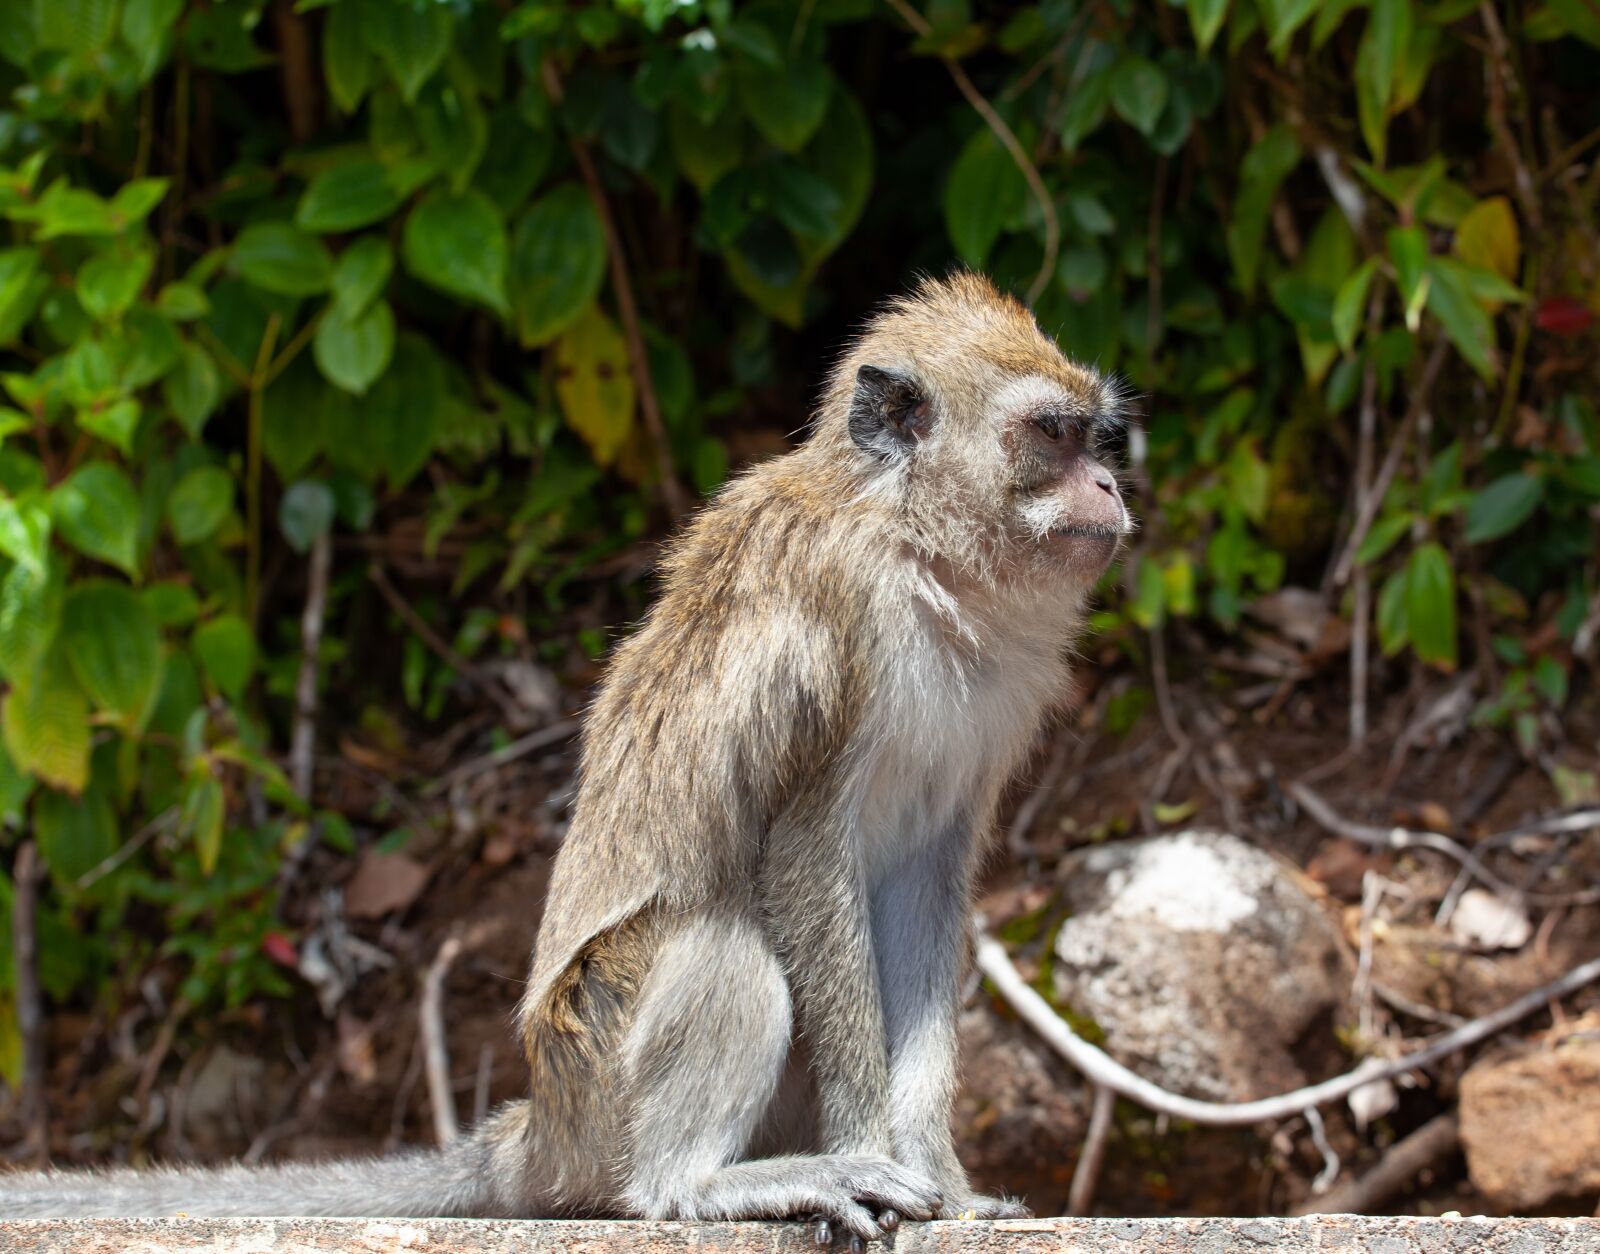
x=1008 y=140
x=303 y=739
x=673 y=494
x=30 y=1014
x=521 y=747
x=1361 y=611
x=1326 y=817
x=1498 y=72
x=127 y=849
x=1391 y=463
x=436 y=1057
x=1086 y=1175
x=1401 y=1163
x=1330 y=1160
x=513 y=712
x=252 y=482
x=480 y=1084
x=1101 y=1068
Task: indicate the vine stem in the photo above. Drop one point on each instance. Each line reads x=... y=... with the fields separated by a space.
x=673 y=493
x=252 y=484
x=1009 y=141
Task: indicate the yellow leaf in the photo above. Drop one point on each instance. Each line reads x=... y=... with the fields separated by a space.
x=594 y=385
x=46 y=725
x=1488 y=237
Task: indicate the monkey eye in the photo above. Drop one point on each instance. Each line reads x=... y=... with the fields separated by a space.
x=1048 y=423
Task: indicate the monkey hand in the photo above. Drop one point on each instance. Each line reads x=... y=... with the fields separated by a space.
x=982 y=1206
x=868 y=1199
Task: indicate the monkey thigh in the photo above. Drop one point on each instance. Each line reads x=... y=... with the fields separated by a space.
x=701 y=1061
x=700 y=1070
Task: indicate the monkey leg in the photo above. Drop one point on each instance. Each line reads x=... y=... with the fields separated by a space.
x=699 y=1068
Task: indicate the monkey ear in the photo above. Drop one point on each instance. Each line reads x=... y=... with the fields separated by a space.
x=889 y=412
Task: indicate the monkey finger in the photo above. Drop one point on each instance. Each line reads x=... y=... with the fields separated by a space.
x=850 y=1220
x=821 y=1231
x=888 y=1221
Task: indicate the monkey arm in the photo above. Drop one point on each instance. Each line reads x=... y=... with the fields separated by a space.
x=815 y=900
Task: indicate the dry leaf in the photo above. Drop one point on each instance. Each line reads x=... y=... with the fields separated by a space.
x=1486 y=921
x=384 y=882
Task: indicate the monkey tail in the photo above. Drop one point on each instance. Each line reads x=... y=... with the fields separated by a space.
x=484 y=1175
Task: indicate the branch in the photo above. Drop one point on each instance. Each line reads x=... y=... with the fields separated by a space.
x=519 y=748
x=1391 y=463
x=1080 y=1196
x=1375 y=837
x=513 y=712
x=673 y=494
x=1008 y=140
x=1101 y=1068
x=1400 y=1164
x=303 y=740
x=436 y=1057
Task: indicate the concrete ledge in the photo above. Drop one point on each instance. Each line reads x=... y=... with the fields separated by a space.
x=1353 y=1233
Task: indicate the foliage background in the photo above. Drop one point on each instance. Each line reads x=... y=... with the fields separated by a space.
x=290 y=291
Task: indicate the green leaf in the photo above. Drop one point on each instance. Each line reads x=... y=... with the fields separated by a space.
x=199 y=504
x=97 y=512
x=109 y=283
x=1086 y=108
x=558 y=261
x=280 y=258
x=193 y=388
x=1503 y=506
x=30 y=614
x=454 y=132
x=21 y=287
x=406 y=409
x=75 y=835
x=347 y=197
x=183 y=302
x=1385 y=534
x=298 y=411
x=201 y=818
x=147 y=30
x=458 y=244
x=1388 y=33
x=347 y=66
x=171 y=604
x=1205 y=19
x=25 y=531
x=114 y=423
x=361 y=274
x=705 y=151
x=1431 y=605
x=352 y=352
x=1488 y=238
x=986 y=191
x=1452 y=301
x=1350 y=303
x=80 y=27
x=1408 y=249
x=46 y=724
x=113 y=645
x=1580 y=18
x=227 y=652
x=1139 y=93
x=1394 y=626
x=1265 y=166
x=306 y=512
x=787 y=105
x=411 y=40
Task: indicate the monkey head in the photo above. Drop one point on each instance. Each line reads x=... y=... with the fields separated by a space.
x=981 y=436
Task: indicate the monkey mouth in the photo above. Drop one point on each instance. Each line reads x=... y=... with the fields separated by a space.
x=1087 y=531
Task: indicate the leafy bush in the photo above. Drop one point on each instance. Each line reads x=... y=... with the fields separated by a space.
x=277 y=270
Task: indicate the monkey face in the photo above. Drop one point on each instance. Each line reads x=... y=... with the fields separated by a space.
x=988 y=440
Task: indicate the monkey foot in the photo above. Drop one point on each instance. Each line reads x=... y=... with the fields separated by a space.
x=982 y=1206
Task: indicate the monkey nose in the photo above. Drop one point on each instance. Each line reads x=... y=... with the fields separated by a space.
x=1105 y=480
